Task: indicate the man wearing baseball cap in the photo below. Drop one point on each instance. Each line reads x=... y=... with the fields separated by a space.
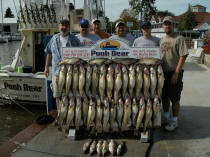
x=174 y=53
x=54 y=53
x=147 y=40
x=96 y=27
x=121 y=33
x=85 y=37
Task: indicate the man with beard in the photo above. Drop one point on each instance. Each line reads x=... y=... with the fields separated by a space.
x=54 y=54
x=174 y=53
x=121 y=33
x=85 y=37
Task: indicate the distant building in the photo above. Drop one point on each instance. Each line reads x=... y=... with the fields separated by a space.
x=198 y=8
x=10 y=25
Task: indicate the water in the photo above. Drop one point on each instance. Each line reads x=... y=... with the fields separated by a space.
x=13 y=119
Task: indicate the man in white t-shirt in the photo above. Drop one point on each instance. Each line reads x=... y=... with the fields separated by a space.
x=86 y=39
x=121 y=33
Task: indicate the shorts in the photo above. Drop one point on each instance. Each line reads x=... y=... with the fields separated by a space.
x=172 y=91
x=54 y=87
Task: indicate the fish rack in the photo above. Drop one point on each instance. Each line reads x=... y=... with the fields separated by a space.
x=103 y=97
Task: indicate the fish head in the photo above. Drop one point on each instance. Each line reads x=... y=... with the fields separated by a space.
x=63 y=68
x=160 y=69
x=134 y=101
x=75 y=68
x=146 y=71
x=98 y=102
x=89 y=68
x=106 y=102
x=120 y=102
x=124 y=69
x=79 y=100
x=149 y=103
x=128 y=101
x=71 y=102
x=117 y=69
x=110 y=69
x=142 y=102
x=81 y=68
x=70 y=69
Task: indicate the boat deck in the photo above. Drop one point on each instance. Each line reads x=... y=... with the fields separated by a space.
x=191 y=139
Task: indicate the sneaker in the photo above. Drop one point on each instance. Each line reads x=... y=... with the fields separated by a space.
x=171 y=126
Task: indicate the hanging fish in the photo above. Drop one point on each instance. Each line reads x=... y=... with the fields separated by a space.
x=70 y=114
x=153 y=82
x=94 y=83
x=78 y=112
x=85 y=110
x=113 y=123
x=118 y=83
x=156 y=112
x=99 y=115
x=69 y=76
x=148 y=114
x=81 y=80
x=61 y=79
x=135 y=109
x=127 y=113
x=124 y=81
x=139 y=81
x=63 y=112
x=132 y=80
x=120 y=112
x=109 y=81
x=75 y=80
x=91 y=114
x=140 y=115
x=146 y=83
x=102 y=81
x=106 y=125
x=88 y=80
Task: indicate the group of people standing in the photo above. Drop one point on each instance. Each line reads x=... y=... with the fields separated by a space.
x=173 y=54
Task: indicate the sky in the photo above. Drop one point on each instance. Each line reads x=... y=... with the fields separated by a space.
x=115 y=7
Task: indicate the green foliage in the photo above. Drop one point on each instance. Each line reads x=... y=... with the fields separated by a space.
x=8 y=13
x=187 y=21
x=164 y=13
x=144 y=8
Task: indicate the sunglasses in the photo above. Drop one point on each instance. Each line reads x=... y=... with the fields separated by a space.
x=84 y=26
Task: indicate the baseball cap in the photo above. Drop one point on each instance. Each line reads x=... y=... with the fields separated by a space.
x=84 y=21
x=95 y=20
x=119 y=23
x=64 y=21
x=146 y=23
x=169 y=19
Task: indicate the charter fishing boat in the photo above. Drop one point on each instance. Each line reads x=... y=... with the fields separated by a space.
x=23 y=81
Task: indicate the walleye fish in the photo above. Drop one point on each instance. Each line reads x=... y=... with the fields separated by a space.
x=69 y=76
x=70 y=61
x=102 y=81
x=146 y=83
x=106 y=125
x=112 y=147
x=98 y=61
x=127 y=113
x=70 y=114
x=113 y=123
x=120 y=148
x=156 y=113
x=78 y=116
x=124 y=81
x=149 y=61
x=148 y=114
x=85 y=110
x=75 y=80
x=118 y=83
x=99 y=115
x=99 y=148
x=92 y=147
x=160 y=76
x=86 y=146
x=81 y=80
x=132 y=80
x=61 y=79
x=88 y=80
x=94 y=82
x=105 y=147
x=140 y=115
x=153 y=82
x=91 y=114
x=120 y=112
x=63 y=111
x=135 y=109
x=139 y=81
x=109 y=81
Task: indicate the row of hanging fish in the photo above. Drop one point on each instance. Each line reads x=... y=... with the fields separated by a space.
x=113 y=80
x=34 y=14
x=98 y=117
x=102 y=147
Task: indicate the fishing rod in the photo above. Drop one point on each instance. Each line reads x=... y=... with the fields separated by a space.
x=43 y=12
x=37 y=13
x=21 y=12
x=27 y=12
x=32 y=13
